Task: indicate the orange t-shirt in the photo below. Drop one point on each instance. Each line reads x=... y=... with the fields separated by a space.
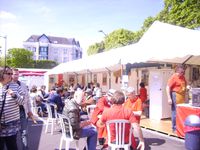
x=134 y=104
x=178 y=84
x=118 y=112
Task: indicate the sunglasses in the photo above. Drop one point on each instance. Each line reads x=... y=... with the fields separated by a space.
x=9 y=74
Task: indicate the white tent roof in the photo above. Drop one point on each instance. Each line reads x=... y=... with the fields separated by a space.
x=165 y=41
x=162 y=42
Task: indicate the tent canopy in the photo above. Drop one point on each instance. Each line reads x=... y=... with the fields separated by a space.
x=161 y=43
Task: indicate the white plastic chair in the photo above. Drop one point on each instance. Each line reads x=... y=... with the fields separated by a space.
x=52 y=117
x=36 y=109
x=68 y=136
x=119 y=129
x=90 y=109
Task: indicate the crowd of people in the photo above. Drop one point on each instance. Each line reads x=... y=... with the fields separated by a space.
x=17 y=102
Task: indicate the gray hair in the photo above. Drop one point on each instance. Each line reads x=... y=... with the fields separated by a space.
x=118 y=97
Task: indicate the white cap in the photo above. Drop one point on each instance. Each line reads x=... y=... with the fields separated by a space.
x=130 y=90
x=111 y=92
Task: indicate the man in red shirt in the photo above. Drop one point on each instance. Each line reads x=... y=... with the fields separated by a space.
x=143 y=92
x=102 y=104
x=176 y=90
x=117 y=111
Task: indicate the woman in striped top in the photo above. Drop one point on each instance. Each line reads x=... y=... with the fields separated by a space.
x=10 y=100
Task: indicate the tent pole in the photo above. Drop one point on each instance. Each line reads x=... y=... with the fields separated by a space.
x=109 y=77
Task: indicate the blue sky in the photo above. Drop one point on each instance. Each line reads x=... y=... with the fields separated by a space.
x=80 y=19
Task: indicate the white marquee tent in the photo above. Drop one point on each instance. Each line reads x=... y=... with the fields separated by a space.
x=161 y=43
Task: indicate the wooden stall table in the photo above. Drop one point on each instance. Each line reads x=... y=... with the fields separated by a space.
x=182 y=112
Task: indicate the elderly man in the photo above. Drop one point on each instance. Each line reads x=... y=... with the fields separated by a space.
x=80 y=129
x=134 y=103
x=102 y=104
x=118 y=111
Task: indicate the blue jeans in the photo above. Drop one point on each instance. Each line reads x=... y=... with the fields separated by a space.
x=173 y=108
x=91 y=134
x=24 y=129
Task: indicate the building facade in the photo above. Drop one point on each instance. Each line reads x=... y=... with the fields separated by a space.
x=58 y=49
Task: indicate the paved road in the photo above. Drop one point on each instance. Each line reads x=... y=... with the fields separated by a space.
x=39 y=140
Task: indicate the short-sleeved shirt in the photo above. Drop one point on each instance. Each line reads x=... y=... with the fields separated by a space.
x=134 y=104
x=100 y=106
x=178 y=84
x=118 y=112
x=143 y=94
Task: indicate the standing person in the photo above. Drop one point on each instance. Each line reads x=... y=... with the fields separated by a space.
x=118 y=111
x=80 y=129
x=10 y=99
x=176 y=91
x=25 y=109
x=143 y=92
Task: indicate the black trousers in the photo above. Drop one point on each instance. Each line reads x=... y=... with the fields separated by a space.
x=9 y=141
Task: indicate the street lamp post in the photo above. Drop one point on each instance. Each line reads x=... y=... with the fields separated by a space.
x=103 y=32
x=5 y=48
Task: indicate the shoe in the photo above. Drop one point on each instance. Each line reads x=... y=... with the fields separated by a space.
x=101 y=141
x=105 y=146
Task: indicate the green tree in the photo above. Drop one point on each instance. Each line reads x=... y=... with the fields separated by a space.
x=185 y=13
x=118 y=38
x=45 y=64
x=20 y=58
x=96 y=48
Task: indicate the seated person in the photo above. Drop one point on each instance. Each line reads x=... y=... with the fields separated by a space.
x=87 y=100
x=80 y=129
x=57 y=100
x=102 y=104
x=134 y=103
x=118 y=111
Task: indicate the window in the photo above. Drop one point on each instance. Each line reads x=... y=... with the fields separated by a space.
x=65 y=51
x=43 y=50
x=43 y=57
x=76 y=54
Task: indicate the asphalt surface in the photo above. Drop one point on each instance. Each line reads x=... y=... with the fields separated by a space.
x=39 y=140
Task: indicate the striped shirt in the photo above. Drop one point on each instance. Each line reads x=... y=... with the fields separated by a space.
x=11 y=107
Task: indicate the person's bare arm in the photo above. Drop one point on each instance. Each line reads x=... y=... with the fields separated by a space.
x=138 y=131
x=168 y=95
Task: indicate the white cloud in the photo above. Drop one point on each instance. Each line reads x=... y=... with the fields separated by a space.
x=7 y=15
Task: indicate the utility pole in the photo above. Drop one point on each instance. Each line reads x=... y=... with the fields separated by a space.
x=5 y=48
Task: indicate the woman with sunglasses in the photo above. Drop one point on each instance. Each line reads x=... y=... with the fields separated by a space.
x=10 y=100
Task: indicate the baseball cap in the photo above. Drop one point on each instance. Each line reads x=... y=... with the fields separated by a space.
x=111 y=92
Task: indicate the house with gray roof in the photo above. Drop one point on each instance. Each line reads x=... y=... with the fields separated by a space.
x=59 y=49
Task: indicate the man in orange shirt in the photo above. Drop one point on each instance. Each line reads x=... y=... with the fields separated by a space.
x=118 y=111
x=176 y=90
x=133 y=103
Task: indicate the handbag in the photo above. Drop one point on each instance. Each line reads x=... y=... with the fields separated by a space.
x=2 y=107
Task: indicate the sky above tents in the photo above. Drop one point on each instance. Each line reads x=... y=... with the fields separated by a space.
x=79 y=19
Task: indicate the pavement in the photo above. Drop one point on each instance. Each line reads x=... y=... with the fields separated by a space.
x=39 y=140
